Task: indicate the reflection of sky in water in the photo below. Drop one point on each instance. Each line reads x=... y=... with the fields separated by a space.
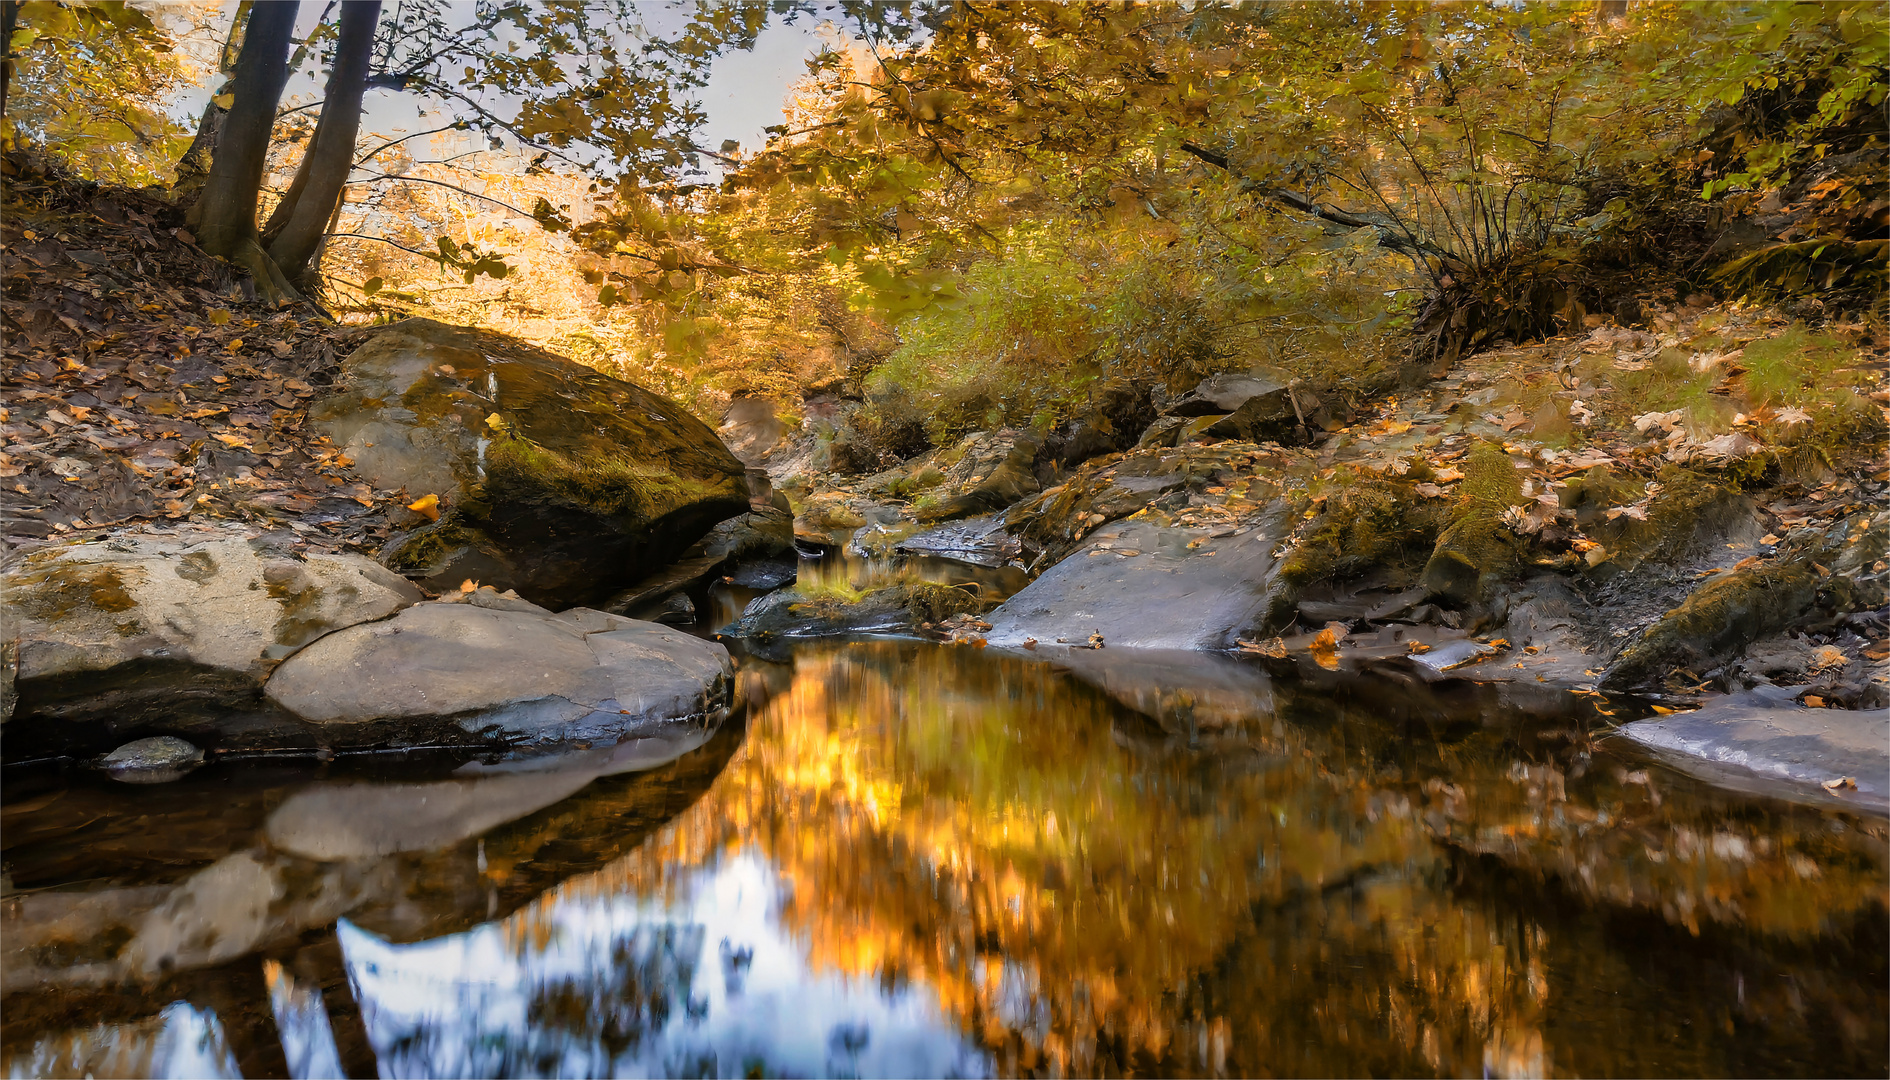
x=707 y=986
x=181 y=1041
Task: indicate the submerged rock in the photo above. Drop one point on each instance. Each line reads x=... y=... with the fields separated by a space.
x=550 y=478
x=493 y=669
x=900 y=608
x=119 y=634
x=156 y=760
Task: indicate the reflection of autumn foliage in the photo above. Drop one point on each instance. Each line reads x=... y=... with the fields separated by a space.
x=1083 y=896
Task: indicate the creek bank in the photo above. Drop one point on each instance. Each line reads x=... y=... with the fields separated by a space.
x=247 y=643
x=1539 y=515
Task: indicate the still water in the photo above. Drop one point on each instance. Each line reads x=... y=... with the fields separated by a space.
x=918 y=860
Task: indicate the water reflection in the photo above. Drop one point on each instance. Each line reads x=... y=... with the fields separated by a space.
x=706 y=984
x=933 y=860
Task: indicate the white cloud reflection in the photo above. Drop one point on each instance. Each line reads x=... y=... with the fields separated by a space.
x=707 y=985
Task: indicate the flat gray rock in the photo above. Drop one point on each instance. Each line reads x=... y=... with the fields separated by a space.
x=979 y=541
x=1749 y=742
x=504 y=668
x=1143 y=586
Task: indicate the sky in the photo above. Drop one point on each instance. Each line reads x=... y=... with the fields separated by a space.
x=745 y=93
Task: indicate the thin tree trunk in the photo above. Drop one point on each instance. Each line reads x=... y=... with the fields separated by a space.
x=295 y=231
x=9 y=19
x=195 y=164
x=226 y=214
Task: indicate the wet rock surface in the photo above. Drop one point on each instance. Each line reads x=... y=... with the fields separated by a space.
x=1761 y=741
x=488 y=668
x=120 y=633
x=1146 y=586
x=900 y=608
x=156 y=760
x=548 y=477
x=979 y=541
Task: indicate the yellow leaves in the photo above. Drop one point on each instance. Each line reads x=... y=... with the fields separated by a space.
x=427 y=506
x=233 y=440
x=218 y=316
x=224 y=101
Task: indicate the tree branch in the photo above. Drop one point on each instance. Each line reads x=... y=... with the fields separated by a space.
x=438 y=183
x=1388 y=234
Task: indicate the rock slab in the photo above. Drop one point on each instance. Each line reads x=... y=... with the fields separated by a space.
x=1146 y=586
x=499 y=669
x=1787 y=749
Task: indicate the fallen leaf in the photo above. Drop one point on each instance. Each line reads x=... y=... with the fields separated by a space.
x=1273 y=647
x=1825 y=656
x=1812 y=701
x=427 y=506
x=1842 y=783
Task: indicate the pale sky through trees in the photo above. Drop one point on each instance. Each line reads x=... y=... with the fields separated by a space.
x=745 y=93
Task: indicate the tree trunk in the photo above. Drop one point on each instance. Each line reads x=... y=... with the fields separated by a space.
x=9 y=20
x=226 y=214
x=195 y=164
x=296 y=229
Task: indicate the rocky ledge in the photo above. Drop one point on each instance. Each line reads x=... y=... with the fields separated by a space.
x=243 y=642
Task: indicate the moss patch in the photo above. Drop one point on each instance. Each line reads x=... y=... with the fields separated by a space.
x=519 y=470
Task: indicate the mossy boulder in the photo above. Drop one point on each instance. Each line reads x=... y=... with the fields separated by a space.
x=984 y=472
x=898 y=608
x=1828 y=573
x=550 y=478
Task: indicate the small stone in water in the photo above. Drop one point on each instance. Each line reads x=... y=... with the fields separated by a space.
x=155 y=760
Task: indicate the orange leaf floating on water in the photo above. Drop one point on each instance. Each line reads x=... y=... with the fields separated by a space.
x=1330 y=637
x=426 y=505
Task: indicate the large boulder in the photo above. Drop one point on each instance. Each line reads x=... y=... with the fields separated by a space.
x=483 y=667
x=117 y=635
x=546 y=476
x=1819 y=575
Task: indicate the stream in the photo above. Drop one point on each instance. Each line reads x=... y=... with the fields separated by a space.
x=909 y=859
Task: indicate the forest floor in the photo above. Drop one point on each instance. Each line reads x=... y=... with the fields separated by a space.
x=143 y=385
